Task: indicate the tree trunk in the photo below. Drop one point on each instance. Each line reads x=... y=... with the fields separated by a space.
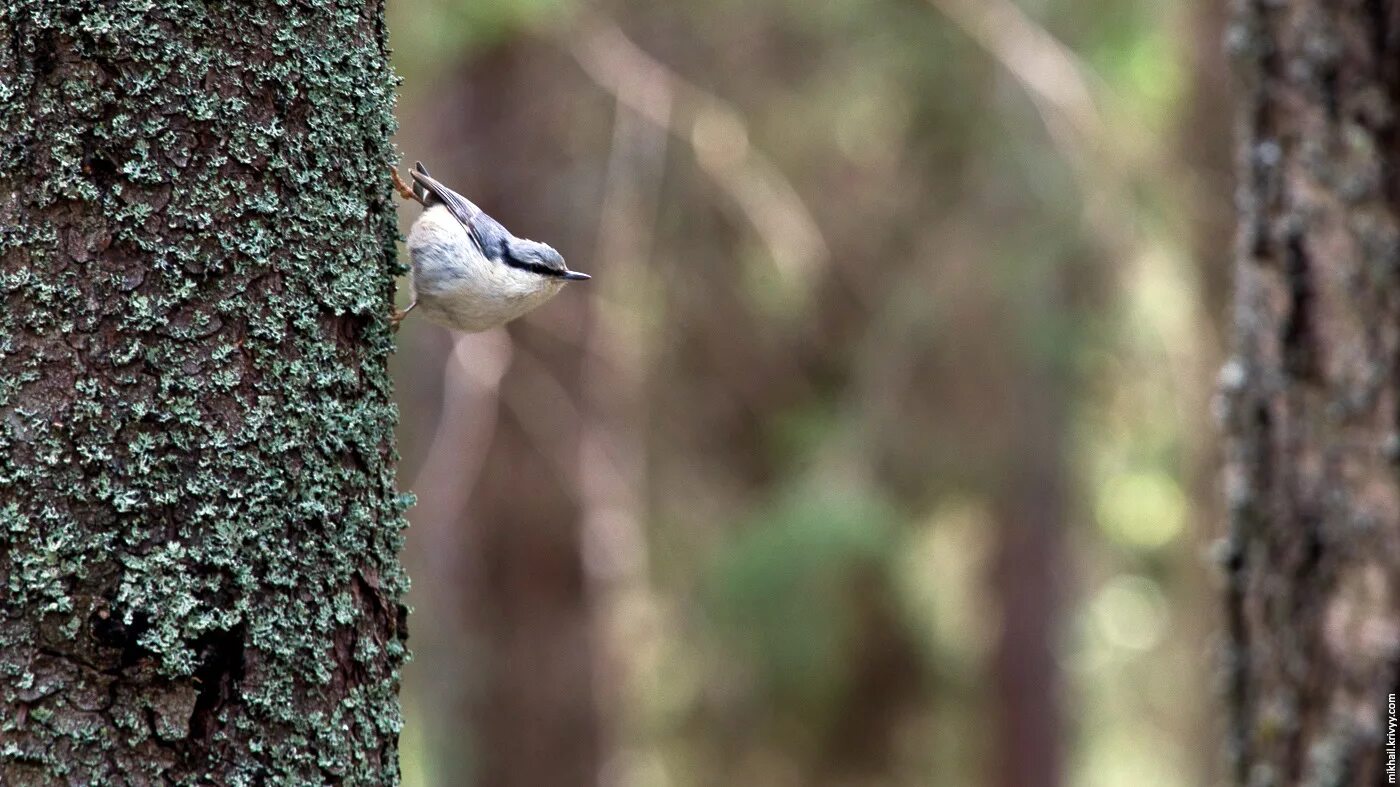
x=1313 y=394
x=1028 y=574
x=536 y=715
x=1203 y=143
x=198 y=517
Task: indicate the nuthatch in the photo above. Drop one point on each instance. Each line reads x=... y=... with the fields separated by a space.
x=469 y=272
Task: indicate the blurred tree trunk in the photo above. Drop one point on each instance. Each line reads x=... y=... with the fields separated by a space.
x=1313 y=393
x=537 y=719
x=1027 y=574
x=199 y=525
x=1204 y=144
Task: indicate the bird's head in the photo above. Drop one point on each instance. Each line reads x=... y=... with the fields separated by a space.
x=540 y=258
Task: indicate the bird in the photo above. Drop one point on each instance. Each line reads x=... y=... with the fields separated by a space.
x=468 y=272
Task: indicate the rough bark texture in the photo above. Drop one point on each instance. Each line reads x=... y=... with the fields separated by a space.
x=198 y=518
x=1313 y=393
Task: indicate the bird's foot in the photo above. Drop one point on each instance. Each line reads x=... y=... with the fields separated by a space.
x=396 y=316
x=401 y=187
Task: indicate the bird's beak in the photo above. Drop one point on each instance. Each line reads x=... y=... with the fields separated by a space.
x=574 y=276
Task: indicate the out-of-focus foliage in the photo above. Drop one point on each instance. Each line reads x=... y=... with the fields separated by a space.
x=433 y=35
x=873 y=281
x=781 y=597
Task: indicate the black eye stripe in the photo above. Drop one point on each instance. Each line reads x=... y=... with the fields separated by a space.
x=533 y=267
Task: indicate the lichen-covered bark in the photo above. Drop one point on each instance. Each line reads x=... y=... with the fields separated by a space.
x=198 y=520
x=1313 y=393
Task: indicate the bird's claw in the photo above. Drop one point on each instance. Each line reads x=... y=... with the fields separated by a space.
x=396 y=316
x=401 y=187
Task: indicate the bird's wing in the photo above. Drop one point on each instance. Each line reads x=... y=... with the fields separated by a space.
x=461 y=208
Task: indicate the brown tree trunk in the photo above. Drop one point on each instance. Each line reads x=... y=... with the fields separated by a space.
x=537 y=719
x=198 y=520
x=1313 y=393
x=1028 y=581
x=1204 y=144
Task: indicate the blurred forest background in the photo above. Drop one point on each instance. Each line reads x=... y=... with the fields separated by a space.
x=879 y=449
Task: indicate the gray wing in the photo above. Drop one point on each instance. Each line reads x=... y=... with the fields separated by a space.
x=461 y=208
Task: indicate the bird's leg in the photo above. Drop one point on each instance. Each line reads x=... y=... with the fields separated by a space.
x=397 y=316
x=402 y=188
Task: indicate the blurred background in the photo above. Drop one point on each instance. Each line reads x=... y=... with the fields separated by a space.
x=879 y=449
